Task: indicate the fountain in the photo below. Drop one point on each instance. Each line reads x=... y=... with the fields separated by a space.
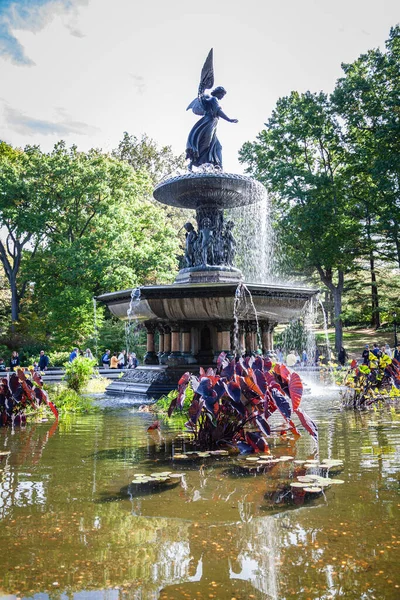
x=196 y=317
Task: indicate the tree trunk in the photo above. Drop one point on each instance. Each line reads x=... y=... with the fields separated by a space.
x=337 y=293
x=375 y=317
x=14 y=303
x=337 y=307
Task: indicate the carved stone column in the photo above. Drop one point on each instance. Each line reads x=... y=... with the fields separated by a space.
x=271 y=334
x=248 y=338
x=242 y=342
x=254 y=331
x=151 y=357
x=186 y=345
x=175 y=357
x=265 y=338
x=160 y=340
x=167 y=344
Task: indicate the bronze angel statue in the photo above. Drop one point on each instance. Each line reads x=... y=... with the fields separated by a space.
x=203 y=146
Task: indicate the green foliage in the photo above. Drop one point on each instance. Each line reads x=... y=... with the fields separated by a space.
x=78 y=373
x=367 y=385
x=69 y=401
x=144 y=154
x=162 y=405
x=332 y=167
x=293 y=337
x=63 y=212
x=58 y=359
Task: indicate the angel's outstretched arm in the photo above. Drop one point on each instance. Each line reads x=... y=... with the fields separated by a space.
x=226 y=118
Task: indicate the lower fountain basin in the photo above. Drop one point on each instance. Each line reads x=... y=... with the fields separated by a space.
x=203 y=302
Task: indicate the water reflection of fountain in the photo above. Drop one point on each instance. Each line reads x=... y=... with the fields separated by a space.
x=259 y=557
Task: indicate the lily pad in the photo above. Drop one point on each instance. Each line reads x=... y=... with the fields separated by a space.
x=313 y=490
x=336 y=481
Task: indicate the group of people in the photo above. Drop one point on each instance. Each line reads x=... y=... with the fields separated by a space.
x=377 y=351
x=119 y=360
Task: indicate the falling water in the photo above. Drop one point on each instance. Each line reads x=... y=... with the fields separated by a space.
x=309 y=320
x=131 y=325
x=254 y=234
x=242 y=306
x=325 y=325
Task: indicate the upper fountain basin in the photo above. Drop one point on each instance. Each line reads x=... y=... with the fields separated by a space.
x=222 y=190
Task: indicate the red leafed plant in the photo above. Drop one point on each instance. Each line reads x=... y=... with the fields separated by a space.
x=19 y=390
x=233 y=403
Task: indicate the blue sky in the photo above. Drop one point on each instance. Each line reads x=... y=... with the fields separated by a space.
x=87 y=70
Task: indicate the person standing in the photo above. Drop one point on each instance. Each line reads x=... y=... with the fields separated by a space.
x=376 y=350
x=388 y=351
x=114 y=361
x=291 y=359
x=14 y=361
x=73 y=354
x=105 y=359
x=365 y=355
x=342 y=356
x=88 y=354
x=121 y=359
x=304 y=358
x=43 y=361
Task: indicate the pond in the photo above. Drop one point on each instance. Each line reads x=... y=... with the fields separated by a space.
x=71 y=527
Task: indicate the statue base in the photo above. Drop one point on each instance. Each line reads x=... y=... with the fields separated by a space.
x=209 y=274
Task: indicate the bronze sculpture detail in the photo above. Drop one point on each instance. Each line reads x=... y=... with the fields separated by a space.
x=203 y=146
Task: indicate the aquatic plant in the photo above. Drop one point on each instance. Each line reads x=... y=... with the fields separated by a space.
x=367 y=385
x=69 y=401
x=233 y=403
x=18 y=391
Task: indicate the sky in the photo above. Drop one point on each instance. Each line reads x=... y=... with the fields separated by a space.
x=87 y=70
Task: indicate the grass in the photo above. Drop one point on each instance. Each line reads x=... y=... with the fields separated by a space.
x=354 y=339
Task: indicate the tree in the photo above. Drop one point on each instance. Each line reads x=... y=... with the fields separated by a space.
x=22 y=206
x=102 y=234
x=145 y=154
x=367 y=99
x=301 y=159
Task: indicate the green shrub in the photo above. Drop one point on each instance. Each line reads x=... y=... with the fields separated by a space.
x=78 y=373
x=58 y=359
x=69 y=401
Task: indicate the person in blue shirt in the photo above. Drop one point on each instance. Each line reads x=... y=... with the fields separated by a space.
x=43 y=361
x=73 y=354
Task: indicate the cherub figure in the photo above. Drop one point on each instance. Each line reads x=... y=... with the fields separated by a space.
x=206 y=242
x=191 y=238
x=203 y=146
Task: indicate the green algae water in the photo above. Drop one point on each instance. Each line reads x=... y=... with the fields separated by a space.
x=72 y=526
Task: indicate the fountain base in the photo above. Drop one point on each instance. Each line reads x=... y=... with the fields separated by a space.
x=209 y=274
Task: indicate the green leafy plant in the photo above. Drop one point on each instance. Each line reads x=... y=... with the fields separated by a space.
x=58 y=359
x=78 y=373
x=69 y=401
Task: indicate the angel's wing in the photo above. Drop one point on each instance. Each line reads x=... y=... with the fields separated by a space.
x=207 y=74
x=196 y=107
